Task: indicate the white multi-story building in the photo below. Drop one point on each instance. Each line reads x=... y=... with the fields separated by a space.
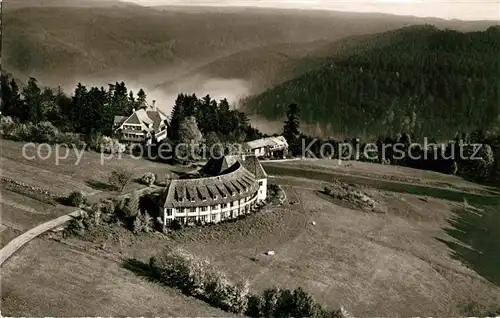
x=143 y=126
x=232 y=187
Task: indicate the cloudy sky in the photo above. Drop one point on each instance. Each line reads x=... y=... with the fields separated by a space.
x=454 y=9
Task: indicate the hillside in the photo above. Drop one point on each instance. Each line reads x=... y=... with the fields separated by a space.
x=419 y=79
x=60 y=42
x=16 y=4
x=267 y=66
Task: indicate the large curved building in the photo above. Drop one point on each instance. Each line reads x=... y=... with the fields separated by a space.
x=232 y=187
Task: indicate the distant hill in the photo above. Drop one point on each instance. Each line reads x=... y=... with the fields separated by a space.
x=16 y=4
x=61 y=40
x=419 y=79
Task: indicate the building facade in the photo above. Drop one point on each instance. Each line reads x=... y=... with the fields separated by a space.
x=233 y=186
x=144 y=125
x=267 y=147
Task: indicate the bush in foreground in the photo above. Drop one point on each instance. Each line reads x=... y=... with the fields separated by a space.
x=148 y=178
x=76 y=199
x=143 y=222
x=119 y=179
x=197 y=277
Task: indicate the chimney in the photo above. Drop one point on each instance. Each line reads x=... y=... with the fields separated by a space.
x=154 y=105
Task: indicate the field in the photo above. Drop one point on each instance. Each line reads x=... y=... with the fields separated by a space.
x=20 y=213
x=433 y=252
x=425 y=255
x=68 y=282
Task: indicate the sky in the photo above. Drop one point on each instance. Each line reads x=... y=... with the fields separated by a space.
x=455 y=9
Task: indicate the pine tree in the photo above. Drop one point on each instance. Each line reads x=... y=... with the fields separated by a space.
x=141 y=97
x=291 y=129
x=33 y=100
x=176 y=116
x=5 y=90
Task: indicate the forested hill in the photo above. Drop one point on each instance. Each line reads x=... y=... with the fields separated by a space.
x=419 y=79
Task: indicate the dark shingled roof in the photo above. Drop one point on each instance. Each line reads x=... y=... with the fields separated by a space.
x=236 y=183
x=153 y=118
x=252 y=164
x=217 y=166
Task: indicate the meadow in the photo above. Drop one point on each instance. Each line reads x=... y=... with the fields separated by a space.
x=425 y=255
x=22 y=211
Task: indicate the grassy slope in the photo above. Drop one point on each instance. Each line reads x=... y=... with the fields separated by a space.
x=69 y=282
x=397 y=263
x=87 y=175
x=20 y=213
x=394 y=264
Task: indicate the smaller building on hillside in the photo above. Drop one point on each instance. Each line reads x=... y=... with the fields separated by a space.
x=229 y=187
x=144 y=125
x=276 y=147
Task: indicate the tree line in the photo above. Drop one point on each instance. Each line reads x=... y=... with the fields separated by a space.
x=456 y=156
x=90 y=111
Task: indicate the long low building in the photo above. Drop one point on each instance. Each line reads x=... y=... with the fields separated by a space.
x=267 y=147
x=232 y=187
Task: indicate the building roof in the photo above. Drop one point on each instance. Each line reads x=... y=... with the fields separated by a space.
x=151 y=118
x=217 y=166
x=119 y=119
x=157 y=117
x=273 y=142
x=142 y=114
x=236 y=183
x=252 y=164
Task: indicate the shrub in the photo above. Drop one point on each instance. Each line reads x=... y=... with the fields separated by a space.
x=7 y=124
x=254 y=306
x=76 y=199
x=270 y=302
x=148 y=178
x=119 y=205
x=110 y=145
x=108 y=208
x=175 y=225
x=137 y=225
x=119 y=178
x=143 y=222
x=238 y=297
x=21 y=131
x=70 y=139
x=131 y=207
x=197 y=277
x=480 y=169
x=74 y=227
x=44 y=132
x=92 y=218
x=215 y=289
x=327 y=190
x=303 y=304
x=147 y=223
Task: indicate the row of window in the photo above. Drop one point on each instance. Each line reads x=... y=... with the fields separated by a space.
x=128 y=127
x=206 y=218
x=133 y=136
x=205 y=208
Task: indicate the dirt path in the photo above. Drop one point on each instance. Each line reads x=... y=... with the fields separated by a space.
x=27 y=236
x=18 y=242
